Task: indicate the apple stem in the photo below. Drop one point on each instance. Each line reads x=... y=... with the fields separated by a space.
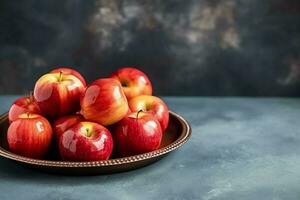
x=87 y=132
x=31 y=98
x=137 y=114
x=28 y=115
x=60 y=76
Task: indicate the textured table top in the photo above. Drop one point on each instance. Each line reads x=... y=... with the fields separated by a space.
x=241 y=148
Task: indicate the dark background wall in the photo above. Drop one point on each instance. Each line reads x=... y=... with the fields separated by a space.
x=187 y=47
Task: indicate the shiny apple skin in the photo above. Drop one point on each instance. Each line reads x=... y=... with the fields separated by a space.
x=58 y=94
x=70 y=71
x=137 y=135
x=154 y=105
x=75 y=145
x=30 y=136
x=62 y=124
x=104 y=102
x=134 y=82
x=23 y=105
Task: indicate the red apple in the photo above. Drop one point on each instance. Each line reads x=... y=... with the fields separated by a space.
x=69 y=71
x=23 y=105
x=62 y=124
x=137 y=133
x=29 y=135
x=58 y=93
x=134 y=82
x=153 y=105
x=86 y=141
x=104 y=102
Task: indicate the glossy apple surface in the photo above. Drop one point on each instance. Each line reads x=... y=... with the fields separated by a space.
x=23 y=105
x=69 y=71
x=104 y=102
x=134 y=82
x=137 y=133
x=86 y=141
x=153 y=105
x=58 y=94
x=62 y=124
x=29 y=135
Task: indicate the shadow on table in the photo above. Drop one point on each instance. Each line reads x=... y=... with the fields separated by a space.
x=13 y=172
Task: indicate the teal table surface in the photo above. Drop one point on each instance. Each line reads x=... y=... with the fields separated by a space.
x=241 y=148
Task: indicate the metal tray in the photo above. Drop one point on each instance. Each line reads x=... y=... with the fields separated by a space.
x=177 y=133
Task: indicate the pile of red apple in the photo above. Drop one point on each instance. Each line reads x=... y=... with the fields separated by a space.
x=88 y=123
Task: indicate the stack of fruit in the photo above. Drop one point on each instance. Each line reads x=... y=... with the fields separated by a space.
x=88 y=123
